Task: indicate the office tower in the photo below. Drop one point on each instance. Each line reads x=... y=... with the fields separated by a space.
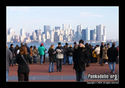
x=56 y=37
x=85 y=34
x=57 y=28
x=92 y=35
x=46 y=28
x=100 y=33
x=52 y=36
x=22 y=32
x=78 y=33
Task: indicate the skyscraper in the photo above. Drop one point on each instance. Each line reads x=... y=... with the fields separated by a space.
x=100 y=33
x=78 y=32
x=92 y=35
x=22 y=32
x=85 y=34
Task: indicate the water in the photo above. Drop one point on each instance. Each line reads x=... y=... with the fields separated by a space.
x=47 y=45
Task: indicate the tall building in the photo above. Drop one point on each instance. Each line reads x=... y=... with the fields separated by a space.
x=78 y=32
x=46 y=28
x=92 y=35
x=85 y=34
x=100 y=33
x=22 y=32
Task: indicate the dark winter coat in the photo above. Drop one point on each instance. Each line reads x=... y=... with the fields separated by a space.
x=80 y=60
x=112 y=54
x=51 y=55
x=101 y=51
x=70 y=51
x=75 y=53
x=12 y=50
x=22 y=66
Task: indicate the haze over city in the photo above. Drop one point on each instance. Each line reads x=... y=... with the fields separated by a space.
x=31 y=18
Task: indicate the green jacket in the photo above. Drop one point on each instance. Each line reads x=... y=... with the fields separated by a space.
x=41 y=50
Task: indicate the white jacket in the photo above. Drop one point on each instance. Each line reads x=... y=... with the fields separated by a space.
x=97 y=50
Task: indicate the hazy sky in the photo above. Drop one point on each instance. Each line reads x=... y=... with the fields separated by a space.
x=34 y=17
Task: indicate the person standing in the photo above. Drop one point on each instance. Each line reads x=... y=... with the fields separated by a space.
x=88 y=52
x=59 y=56
x=112 y=57
x=70 y=54
x=75 y=51
x=79 y=61
x=35 y=54
x=13 y=55
x=97 y=51
x=104 y=54
x=31 y=54
x=16 y=50
x=64 y=49
x=51 y=52
x=41 y=50
x=101 y=52
x=8 y=58
x=66 y=52
x=23 y=60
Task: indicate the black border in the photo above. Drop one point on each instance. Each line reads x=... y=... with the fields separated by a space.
x=5 y=3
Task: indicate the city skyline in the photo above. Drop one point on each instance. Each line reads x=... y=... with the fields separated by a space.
x=31 y=18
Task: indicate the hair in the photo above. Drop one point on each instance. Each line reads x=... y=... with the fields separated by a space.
x=34 y=47
x=30 y=46
x=113 y=44
x=59 y=43
x=66 y=43
x=51 y=46
x=23 y=50
x=11 y=45
x=81 y=41
x=70 y=46
x=75 y=43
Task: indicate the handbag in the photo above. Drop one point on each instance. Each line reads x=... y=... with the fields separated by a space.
x=59 y=56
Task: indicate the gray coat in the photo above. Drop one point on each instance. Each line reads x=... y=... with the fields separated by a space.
x=8 y=57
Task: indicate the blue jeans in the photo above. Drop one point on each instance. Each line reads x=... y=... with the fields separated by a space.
x=59 y=65
x=51 y=67
x=112 y=66
x=41 y=59
x=101 y=61
x=7 y=72
x=70 y=60
x=80 y=76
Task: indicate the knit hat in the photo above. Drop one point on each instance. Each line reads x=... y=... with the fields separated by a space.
x=41 y=44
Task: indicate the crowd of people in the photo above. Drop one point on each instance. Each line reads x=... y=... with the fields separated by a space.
x=80 y=56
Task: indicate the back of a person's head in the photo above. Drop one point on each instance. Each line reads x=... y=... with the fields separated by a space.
x=23 y=50
x=11 y=45
x=81 y=41
x=66 y=43
x=75 y=43
x=113 y=44
x=59 y=43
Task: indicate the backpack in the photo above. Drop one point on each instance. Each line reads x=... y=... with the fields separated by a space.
x=94 y=54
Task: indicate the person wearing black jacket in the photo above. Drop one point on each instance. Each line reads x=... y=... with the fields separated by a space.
x=59 y=56
x=13 y=55
x=70 y=54
x=51 y=52
x=88 y=52
x=112 y=54
x=79 y=61
x=23 y=68
x=101 y=52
